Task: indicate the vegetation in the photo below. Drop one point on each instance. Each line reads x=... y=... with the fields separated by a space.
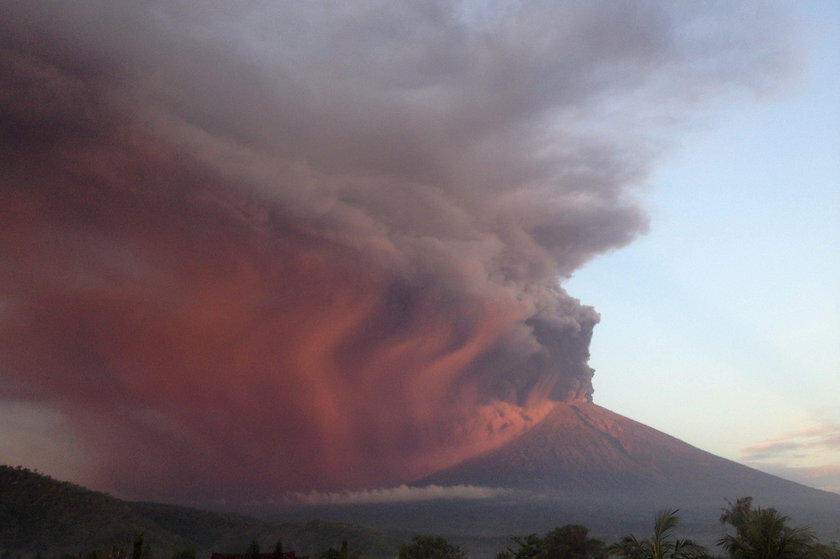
x=431 y=547
x=342 y=552
x=567 y=542
x=60 y=520
x=661 y=545
x=41 y=518
x=765 y=534
x=572 y=542
x=253 y=551
x=315 y=536
x=527 y=547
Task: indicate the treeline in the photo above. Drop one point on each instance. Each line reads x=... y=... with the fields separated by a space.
x=754 y=533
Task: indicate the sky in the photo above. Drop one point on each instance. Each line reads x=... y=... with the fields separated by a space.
x=253 y=249
x=730 y=305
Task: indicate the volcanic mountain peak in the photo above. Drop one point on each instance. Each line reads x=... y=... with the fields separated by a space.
x=582 y=450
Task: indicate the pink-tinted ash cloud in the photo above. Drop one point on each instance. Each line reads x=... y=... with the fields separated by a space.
x=251 y=249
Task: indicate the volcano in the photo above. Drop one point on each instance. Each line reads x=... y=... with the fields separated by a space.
x=585 y=464
x=582 y=451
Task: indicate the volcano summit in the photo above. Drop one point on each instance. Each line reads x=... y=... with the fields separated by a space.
x=582 y=451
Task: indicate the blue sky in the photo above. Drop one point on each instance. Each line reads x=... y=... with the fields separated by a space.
x=721 y=325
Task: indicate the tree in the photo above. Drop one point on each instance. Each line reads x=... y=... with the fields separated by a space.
x=278 y=550
x=567 y=542
x=342 y=552
x=571 y=542
x=529 y=547
x=825 y=551
x=253 y=551
x=763 y=534
x=431 y=547
x=662 y=545
x=139 y=548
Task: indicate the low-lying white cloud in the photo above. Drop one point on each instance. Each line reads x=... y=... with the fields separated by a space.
x=400 y=494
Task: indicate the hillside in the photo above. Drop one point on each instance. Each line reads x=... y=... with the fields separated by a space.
x=39 y=514
x=581 y=464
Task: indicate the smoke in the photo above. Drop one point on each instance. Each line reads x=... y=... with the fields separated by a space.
x=253 y=248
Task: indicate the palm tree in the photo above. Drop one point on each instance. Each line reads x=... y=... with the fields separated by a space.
x=763 y=534
x=662 y=545
x=529 y=547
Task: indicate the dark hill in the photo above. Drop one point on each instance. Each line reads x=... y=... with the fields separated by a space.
x=39 y=514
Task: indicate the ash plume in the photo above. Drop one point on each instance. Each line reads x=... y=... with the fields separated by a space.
x=253 y=248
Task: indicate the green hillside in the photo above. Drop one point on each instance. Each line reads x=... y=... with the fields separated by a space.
x=39 y=514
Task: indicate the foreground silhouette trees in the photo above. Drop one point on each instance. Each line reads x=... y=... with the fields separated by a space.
x=528 y=547
x=756 y=533
x=431 y=547
x=567 y=542
x=342 y=552
x=765 y=534
x=253 y=551
x=572 y=542
x=662 y=545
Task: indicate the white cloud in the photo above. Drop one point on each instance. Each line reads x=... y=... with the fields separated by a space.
x=400 y=494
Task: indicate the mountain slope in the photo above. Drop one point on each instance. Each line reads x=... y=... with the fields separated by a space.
x=584 y=464
x=581 y=450
x=38 y=513
x=41 y=514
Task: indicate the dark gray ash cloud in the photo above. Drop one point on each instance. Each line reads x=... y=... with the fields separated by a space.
x=248 y=248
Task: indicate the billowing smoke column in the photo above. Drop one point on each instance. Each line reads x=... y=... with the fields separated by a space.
x=248 y=248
